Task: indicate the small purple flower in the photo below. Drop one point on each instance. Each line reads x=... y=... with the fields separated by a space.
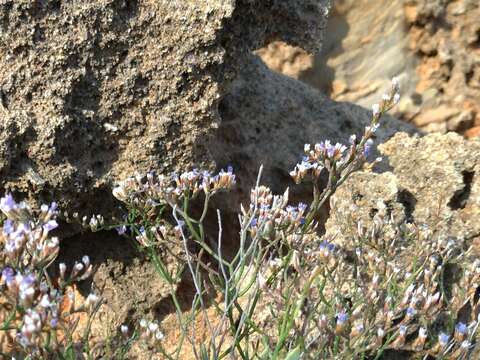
x=8 y=227
x=304 y=165
x=53 y=207
x=367 y=148
x=8 y=275
x=27 y=281
x=322 y=146
x=265 y=207
x=302 y=207
x=121 y=229
x=50 y=225
x=54 y=323
x=443 y=339
x=330 y=151
x=461 y=328
x=342 y=317
x=327 y=245
x=7 y=203
x=411 y=312
x=290 y=208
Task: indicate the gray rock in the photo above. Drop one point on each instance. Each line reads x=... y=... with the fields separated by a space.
x=434 y=181
x=94 y=91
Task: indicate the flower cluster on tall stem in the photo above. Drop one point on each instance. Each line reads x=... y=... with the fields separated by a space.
x=37 y=321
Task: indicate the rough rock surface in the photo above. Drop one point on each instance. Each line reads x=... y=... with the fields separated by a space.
x=432 y=44
x=93 y=91
x=445 y=35
x=434 y=181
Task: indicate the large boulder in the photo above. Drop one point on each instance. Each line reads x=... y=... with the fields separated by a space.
x=268 y=117
x=93 y=91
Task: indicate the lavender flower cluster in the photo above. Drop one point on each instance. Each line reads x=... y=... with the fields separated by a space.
x=27 y=240
x=31 y=306
x=288 y=292
x=153 y=190
x=394 y=277
x=338 y=158
x=270 y=214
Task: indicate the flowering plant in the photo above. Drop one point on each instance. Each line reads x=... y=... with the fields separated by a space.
x=38 y=313
x=289 y=292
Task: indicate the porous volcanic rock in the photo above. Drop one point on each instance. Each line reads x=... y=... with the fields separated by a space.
x=434 y=181
x=94 y=91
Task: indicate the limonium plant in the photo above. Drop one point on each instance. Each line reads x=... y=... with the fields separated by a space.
x=39 y=313
x=289 y=292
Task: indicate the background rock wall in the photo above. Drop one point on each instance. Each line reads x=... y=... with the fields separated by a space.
x=434 y=45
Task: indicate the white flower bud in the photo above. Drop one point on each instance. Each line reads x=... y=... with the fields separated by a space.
x=396 y=98
x=124 y=329
x=153 y=327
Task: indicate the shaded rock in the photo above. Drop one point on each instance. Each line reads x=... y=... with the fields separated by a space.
x=94 y=91
x=268 y=117
x=434 y=181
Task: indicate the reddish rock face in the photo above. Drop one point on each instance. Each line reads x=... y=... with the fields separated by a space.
x=433 y=45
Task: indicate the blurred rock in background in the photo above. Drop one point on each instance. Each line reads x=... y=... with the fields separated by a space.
x=433 y=45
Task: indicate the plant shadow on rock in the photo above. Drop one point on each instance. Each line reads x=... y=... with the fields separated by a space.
x=122 y=276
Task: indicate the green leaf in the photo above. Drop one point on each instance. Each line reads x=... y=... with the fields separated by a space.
x=294 y=354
